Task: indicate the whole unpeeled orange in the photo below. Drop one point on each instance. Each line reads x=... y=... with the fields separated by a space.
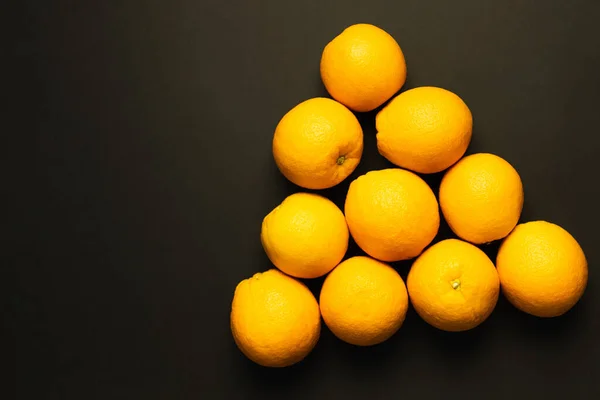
x=453 y=285
x=426 y=129
x=481 y=198
x=318 y=143
x=542 y=269
x=392 y=214
x=305 y=236
x=363 y=67
x=275 y=319
x=363 y=301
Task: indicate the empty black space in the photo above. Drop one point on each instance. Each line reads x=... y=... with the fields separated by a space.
x=138 y=168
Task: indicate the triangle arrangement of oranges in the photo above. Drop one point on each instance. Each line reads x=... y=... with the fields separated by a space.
x=392 y=214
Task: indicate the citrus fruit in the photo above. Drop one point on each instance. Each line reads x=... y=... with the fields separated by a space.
x=318 y=143
x=305 y=236
x=426 y=129
x=275 y=319
x=363 y=67
x=363 y=301
x=453 y=285
x=392 y=214
x=542 y=268
x=481 y=198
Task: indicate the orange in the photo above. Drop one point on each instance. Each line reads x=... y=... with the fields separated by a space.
x=542 y=268
x=363 y=67
x=453 y=285
x=318 y=143
x=481 y=198
x=426 y=129
x=363 y=301
x=275 y=319
x=305 y=236
x=392 y=214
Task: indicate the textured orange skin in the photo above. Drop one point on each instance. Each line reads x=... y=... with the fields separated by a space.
x=363 y=67
x=275 y=319
x=542 y=268
x=306 y=236
x=310 y=139
x=392 y=214
x=431 y=292
x=426 y=129
x=363 y=301
x=481 y=198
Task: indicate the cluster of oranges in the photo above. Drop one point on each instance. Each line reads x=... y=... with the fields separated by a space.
x=393 y=215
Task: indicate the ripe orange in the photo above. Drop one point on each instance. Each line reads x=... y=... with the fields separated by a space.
x=481 y=198
x=453 y=285
x=542 y=268
x=305 y=236
x=318 y=143
x=426 y=129
x=363 y=67
x=275 y=319
x=363 y=301
x=392 y=214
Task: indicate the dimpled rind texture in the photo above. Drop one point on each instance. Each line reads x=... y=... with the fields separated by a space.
x=310 y=139
x=306 y=236
x=363 y=301
x=363 y=67
x=542 y=268
x=426 y=129
x=275 y=319
x=481 y=198
x=392 y=214
x=434 y=298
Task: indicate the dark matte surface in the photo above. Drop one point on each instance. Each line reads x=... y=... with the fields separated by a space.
x=144 y=168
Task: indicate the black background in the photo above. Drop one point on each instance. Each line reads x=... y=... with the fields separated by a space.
x=142 y=169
